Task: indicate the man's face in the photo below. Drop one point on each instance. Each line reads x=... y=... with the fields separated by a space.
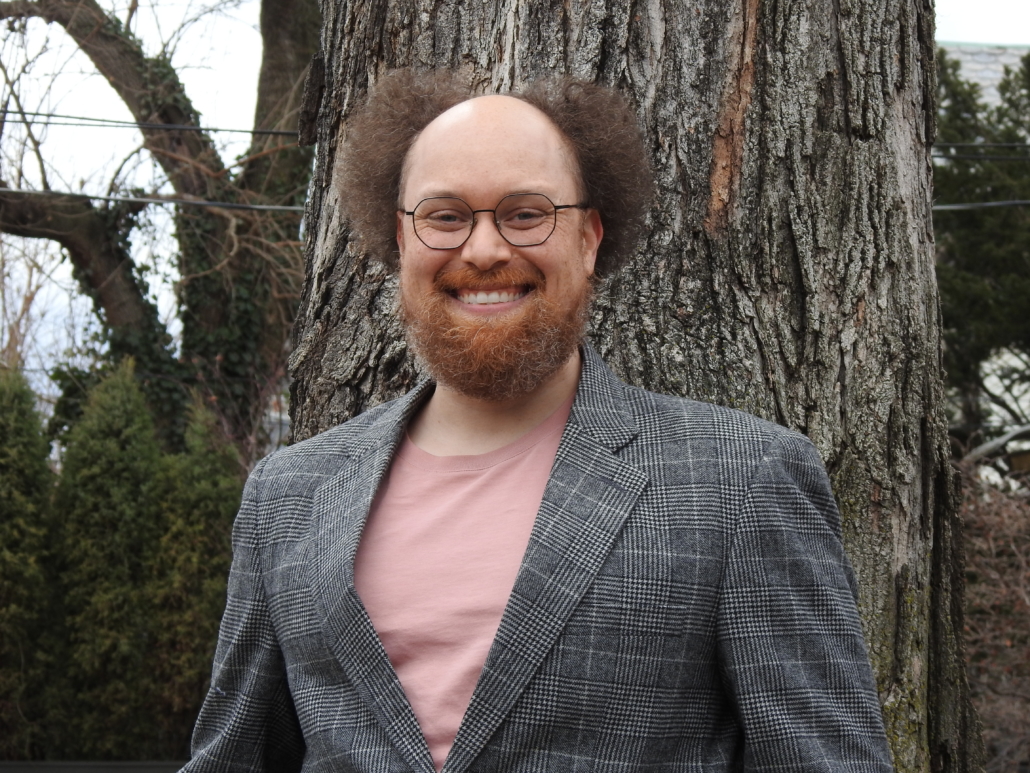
x=490 y=319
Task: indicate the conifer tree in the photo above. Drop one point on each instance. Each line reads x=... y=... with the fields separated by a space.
x=199 y=495
x=142 y=555
x=983 y=255
x=25 y=484
x=108 y=530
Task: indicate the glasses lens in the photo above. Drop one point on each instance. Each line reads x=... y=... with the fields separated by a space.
x=525 y=219
x=443 y=223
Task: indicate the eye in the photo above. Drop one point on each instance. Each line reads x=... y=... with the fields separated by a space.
x=446 y=215
x=524 y=217
x=444 y=218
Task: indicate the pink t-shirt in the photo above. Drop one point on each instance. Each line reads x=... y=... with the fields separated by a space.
x=437 y=562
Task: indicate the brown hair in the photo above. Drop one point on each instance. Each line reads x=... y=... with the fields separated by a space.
x=597 y=121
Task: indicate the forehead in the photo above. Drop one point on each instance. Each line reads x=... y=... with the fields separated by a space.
x=487 y=146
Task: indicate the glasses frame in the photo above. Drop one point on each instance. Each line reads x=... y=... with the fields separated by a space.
x=497 y=225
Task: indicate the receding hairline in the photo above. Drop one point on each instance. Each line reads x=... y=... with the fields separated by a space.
x=567 y=149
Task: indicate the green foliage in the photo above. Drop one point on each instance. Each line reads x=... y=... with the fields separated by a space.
x=200 y=492
x=141 y=542
x=107 y=537
x=25 y=483
x=74 y=384
x=983 y=255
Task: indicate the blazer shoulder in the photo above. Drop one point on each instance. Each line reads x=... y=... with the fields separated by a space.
x=677 y=422
x=657 y=409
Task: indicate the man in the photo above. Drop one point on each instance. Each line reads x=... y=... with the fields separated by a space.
x=524 y=564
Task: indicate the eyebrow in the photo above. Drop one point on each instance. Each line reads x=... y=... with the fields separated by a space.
x=435 y=193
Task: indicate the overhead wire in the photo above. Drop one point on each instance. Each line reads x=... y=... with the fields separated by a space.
x=161 y=200
x=982 y=205
x=284 y=208
x=88 y=122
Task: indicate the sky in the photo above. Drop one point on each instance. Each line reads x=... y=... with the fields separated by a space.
x=216 y=48
x=1004 y=22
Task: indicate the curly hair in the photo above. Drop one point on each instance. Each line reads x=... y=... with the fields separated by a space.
x=597 y=122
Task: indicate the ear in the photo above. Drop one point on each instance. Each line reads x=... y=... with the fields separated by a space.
x=593 y=232
x=400 y=232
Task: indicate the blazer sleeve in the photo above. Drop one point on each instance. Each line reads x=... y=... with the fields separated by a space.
x=247 y=721
x=790 y=638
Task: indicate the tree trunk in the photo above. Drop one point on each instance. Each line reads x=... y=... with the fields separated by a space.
x=788 y=269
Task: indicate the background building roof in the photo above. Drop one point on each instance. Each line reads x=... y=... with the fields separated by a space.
x=985 y=65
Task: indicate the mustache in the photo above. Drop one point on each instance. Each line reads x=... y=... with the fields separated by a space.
x=468 y=278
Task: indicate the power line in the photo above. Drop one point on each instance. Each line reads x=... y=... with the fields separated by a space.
x=97 y=123
x=150 y=200
x=283 y=208
x=981 y=205
x=981 y=145
x=978 y=157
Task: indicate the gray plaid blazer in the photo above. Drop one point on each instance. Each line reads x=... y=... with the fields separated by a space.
x=684 y=604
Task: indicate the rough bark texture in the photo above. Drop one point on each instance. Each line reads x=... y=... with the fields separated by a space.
x=788 y=269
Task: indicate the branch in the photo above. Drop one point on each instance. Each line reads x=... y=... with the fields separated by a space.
x=20 y=9
x=149 y=87
x=102 y=265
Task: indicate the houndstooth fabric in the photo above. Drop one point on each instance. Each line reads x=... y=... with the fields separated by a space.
x=684 y=604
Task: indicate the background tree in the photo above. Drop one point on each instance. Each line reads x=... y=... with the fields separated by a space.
x=138 y=563
x=788 y=270
x=238 y=270
x=106 y=530
x=998 y=616
x=25 y=481
x=983 y=255
x=198 y=493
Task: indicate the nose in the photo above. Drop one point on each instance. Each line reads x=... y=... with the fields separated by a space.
x=485 y=247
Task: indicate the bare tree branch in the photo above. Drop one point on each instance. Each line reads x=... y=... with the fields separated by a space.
x=102 y=264
x=149 y=87
x=33 y=140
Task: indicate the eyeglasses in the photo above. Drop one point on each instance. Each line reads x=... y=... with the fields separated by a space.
x=522 y=219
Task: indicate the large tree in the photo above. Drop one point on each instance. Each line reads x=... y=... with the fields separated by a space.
x=788 y=269
x=238 y=269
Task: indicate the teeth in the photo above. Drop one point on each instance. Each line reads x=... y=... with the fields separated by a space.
x=487 y=298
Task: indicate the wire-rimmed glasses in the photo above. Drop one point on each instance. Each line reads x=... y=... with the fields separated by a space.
x=522 y=219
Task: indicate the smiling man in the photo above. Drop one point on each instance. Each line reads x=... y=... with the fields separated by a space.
x=525 y=564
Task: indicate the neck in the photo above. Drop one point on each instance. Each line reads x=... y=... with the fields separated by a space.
x=453 y=424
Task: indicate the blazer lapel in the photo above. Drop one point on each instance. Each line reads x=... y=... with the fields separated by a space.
x=339 y=511
x=588 y=497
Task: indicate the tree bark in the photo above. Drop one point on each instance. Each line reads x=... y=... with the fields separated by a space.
x=788 y=270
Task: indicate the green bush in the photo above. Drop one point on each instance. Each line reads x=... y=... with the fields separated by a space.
x=25 y=483
x=141 y=558
x=107 y=530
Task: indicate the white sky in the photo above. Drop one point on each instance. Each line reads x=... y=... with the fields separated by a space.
x=217 y=55
x=1005 y=22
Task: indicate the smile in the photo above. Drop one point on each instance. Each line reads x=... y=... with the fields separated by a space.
x=486 y=297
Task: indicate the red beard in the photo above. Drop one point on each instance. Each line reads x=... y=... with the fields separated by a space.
x=491 y=358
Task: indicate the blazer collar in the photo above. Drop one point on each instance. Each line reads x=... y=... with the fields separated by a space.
x=600 y=408
x=587 y=499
